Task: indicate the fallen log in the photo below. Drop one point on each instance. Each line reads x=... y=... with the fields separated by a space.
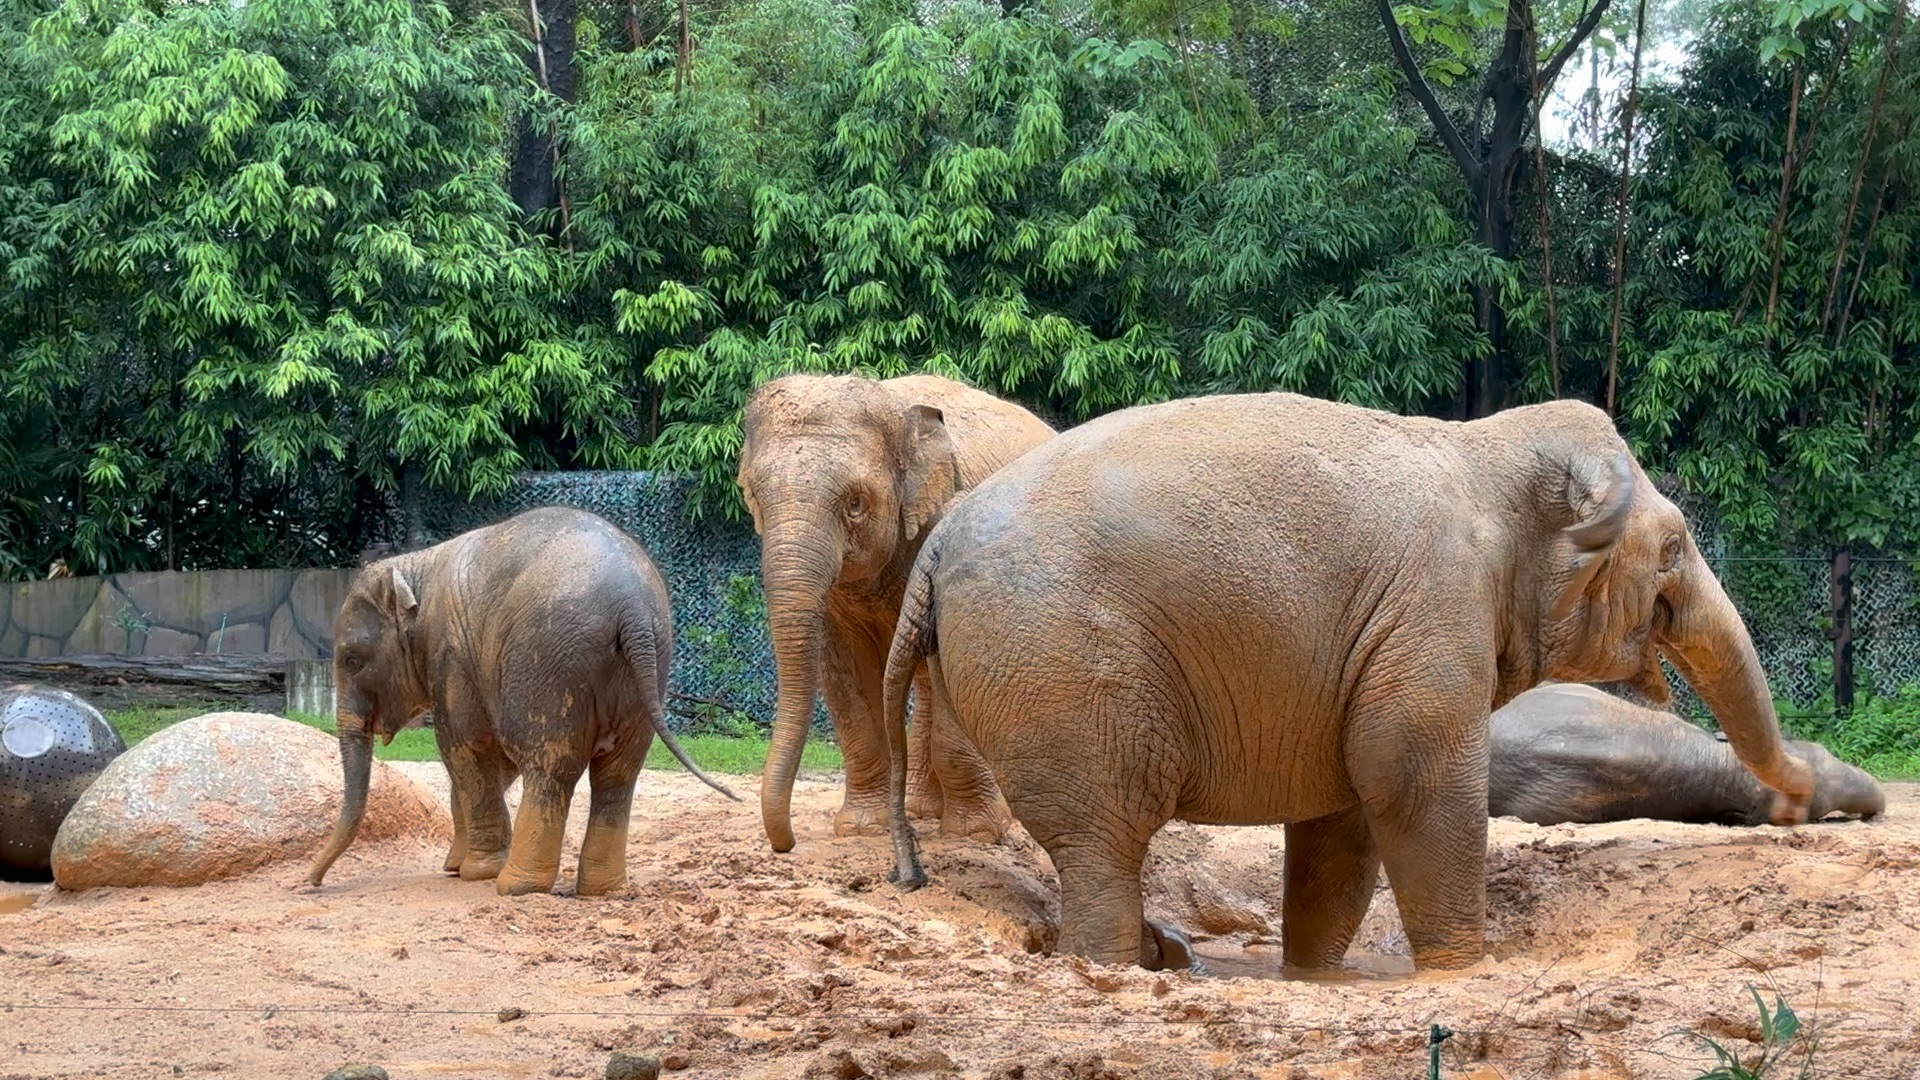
x=240 y=675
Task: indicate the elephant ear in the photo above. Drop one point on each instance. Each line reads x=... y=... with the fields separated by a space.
x=402 y=604
x=740 y=475
x=929 y=472
x=1603 y=493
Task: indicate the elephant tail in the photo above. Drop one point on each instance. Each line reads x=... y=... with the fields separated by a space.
x=913 y=641
x=656 y=705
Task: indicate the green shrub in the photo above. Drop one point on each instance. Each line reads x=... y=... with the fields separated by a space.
x=1780 y=1034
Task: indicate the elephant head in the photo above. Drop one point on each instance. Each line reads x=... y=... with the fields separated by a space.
x=843 y=479
x=377 y=686
x=1623 y=586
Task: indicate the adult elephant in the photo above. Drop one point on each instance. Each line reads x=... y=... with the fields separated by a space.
x=1564 y=752
x=1266 y=608
x=844 y=475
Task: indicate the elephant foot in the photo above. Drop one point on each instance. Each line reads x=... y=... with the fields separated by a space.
x=482 y=867
x=989 y=824
x=456 y=858
x=600 y=880
x=512 y=882
x=864 y=818
x=1166 y=948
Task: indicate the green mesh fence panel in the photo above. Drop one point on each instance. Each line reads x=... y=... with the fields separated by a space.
x=723 y=654
x=1786 y=603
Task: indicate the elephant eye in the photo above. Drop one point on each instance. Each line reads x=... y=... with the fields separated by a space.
x=1670 y=553
x=856 y=506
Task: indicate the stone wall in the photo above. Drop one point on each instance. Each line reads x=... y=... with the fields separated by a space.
x=174 y=614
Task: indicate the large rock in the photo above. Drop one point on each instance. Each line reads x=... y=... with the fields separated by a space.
x=220 y=795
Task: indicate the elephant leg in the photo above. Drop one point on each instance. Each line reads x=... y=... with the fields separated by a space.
x=540 y=826
x=1102 y=914
x=479 y=790
x=603 y=851
x=1096 y=828
x=925 y=799
x=974 y=807
x=851 y=673
x=1423 y=784
x=1331 y=869
x=457 y=851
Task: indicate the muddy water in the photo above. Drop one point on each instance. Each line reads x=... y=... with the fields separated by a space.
x=16 y=902
x=1227 y=960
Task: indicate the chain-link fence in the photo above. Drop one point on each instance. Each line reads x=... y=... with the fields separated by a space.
x=1795 y=605
x=723 y=660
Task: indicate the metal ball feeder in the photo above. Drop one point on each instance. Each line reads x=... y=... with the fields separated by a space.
x=52 y=746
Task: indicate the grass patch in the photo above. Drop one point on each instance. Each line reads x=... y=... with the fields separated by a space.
x=138 y=723
x=741 y=755
x=413 y=744
x=738 y=755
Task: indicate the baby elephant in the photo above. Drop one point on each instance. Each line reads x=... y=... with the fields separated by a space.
x=1566 y=752
x=541 y=646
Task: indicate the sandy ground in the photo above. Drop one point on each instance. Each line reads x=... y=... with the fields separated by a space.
x=732 y=962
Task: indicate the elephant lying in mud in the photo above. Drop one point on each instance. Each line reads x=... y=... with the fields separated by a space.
x=541 y=646
x=1265 y=608
x=844 y=475
x=1565 y=752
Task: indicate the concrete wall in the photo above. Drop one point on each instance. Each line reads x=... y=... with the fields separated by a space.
x=280 y=611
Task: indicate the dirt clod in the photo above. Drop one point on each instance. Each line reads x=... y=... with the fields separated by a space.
x=349 y=1072
x=626 y=1066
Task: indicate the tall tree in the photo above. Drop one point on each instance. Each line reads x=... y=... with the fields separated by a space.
x=1489 y=151
x=535 y=181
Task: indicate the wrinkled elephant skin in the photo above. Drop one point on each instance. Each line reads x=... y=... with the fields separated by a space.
x=1265 y=608
x=844 y=475
x=541 y=646
x=1565 y=752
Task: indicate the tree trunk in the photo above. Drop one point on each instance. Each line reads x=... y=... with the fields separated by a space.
x=1840 y=582
x=533 y=182
x=1490 y=163
x=1628 y=108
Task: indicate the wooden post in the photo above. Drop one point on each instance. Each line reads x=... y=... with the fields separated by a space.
x=310 y=687
x=1840 y=579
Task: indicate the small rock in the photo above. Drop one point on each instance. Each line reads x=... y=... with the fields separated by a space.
x=510 y=1014
x=625 y=1066
x=357 y=1072
x=675 y=1060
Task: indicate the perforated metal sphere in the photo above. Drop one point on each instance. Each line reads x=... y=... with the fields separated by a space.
x=52 y=745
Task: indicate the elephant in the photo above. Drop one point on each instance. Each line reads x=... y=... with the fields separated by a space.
x=540 y=644
x=1567 y=752
x=1255 y=609
x=843 y=476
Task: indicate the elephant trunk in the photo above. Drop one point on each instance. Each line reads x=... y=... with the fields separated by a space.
x=799 y=561
x=1709 y=644
x=356 y=763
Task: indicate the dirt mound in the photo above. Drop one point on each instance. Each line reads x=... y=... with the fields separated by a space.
x=728 y=961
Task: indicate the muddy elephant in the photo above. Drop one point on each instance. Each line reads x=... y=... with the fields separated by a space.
x=1266 y=608
x=541 y=646
x=1565 y=752
x=844 y=475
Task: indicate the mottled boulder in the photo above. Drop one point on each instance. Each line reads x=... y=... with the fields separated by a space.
x=220 y=795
